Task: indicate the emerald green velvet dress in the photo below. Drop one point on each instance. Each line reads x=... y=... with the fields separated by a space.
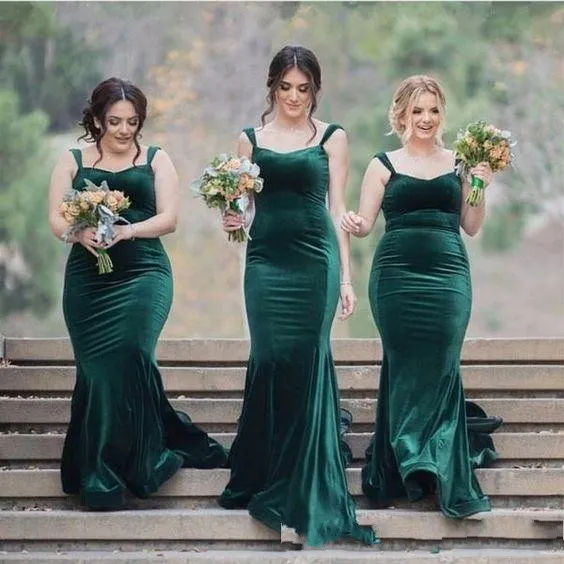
x=286 y=462
x=123 y=433
x=420 y=294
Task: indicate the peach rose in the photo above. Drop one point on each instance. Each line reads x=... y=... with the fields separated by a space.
x=97 y=197
x=233 y=164
x=111 y=201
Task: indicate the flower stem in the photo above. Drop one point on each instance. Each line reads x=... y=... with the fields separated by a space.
x=239 y=236
x=476 y=194
x=105 y=265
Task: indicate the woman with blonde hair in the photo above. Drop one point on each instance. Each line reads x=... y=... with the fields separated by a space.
x=420 y=295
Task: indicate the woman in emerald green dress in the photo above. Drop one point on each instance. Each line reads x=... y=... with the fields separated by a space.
x=123 y=433
x=420 y=294
x=286 y=462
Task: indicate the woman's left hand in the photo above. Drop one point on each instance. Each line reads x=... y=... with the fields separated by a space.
x=122 y=233
x=484 y=172
x=348 y=301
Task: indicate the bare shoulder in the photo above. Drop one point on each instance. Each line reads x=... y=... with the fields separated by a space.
x=376 y=169
x=244 y=139
x=67 y=162
x=89 y=153
x=244 y=146
x=161 y=161
x=338 y=139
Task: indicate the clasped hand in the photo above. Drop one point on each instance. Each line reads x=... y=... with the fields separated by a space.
x=351 y=222
x=87 y=238
x=233 y=220
x=484 y=172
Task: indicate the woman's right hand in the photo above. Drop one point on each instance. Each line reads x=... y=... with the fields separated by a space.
x=232 y=221
x=351 y=222
x=87 y=238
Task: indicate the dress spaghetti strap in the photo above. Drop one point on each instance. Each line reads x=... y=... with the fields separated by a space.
x=77 y=154
x=151 y=151
x=250 y=133
x=385 y=161
x=331 y=128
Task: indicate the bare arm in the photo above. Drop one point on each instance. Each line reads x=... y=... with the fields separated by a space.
x=337 y=150
x=472 y=217
x=371 y=196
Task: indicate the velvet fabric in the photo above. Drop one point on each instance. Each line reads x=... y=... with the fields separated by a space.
x=420 y=294
x=123 y=433
x=286 y=462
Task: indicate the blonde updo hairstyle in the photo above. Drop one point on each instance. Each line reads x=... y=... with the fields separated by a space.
x=406 y=96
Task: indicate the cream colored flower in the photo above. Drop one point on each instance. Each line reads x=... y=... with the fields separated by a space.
x=97 y=197
x=233 y=164
x=111 y=201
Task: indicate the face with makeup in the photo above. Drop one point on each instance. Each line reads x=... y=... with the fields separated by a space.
x=417 y=110
x=293 y=94
x=423 y=118
x=121 y=123
x=294 y=82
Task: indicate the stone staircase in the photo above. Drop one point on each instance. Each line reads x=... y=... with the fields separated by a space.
x=521 y=380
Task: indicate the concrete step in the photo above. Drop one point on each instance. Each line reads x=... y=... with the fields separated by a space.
x=476 y=378
x=235 y=351
x=227 y=411
x=212 y=525
x=515 y=446
x=326 y=556
x=188 y=482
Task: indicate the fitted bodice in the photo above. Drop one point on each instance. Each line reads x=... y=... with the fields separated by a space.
x=136 y=182
x=292 y=204
x=416 y=202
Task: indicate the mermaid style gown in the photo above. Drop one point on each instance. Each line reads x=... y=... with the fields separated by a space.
x=286 y=462
x=420 y=294
x=123 y=433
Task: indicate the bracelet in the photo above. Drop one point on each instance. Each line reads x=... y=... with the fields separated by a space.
x=346 y=284
x=65 y=236
x=131 y=238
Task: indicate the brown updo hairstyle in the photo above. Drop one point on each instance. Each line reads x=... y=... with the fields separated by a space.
x=287 y=58
x=405 y=98
x=105 y=95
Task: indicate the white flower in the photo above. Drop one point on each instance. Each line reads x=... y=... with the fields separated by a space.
x=242 y=203
x=255 y=170
x=245 y=165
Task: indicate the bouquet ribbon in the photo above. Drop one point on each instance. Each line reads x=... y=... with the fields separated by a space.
x=104 y=234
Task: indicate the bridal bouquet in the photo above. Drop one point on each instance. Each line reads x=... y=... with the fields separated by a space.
x=482 y=142
x=95 y=206
x=226 y=183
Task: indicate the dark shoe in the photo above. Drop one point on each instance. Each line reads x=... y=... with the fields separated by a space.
x=345 y=425
x=478 y=422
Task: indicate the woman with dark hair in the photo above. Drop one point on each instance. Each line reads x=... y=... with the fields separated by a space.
x=123 y=433
x=286 y=462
